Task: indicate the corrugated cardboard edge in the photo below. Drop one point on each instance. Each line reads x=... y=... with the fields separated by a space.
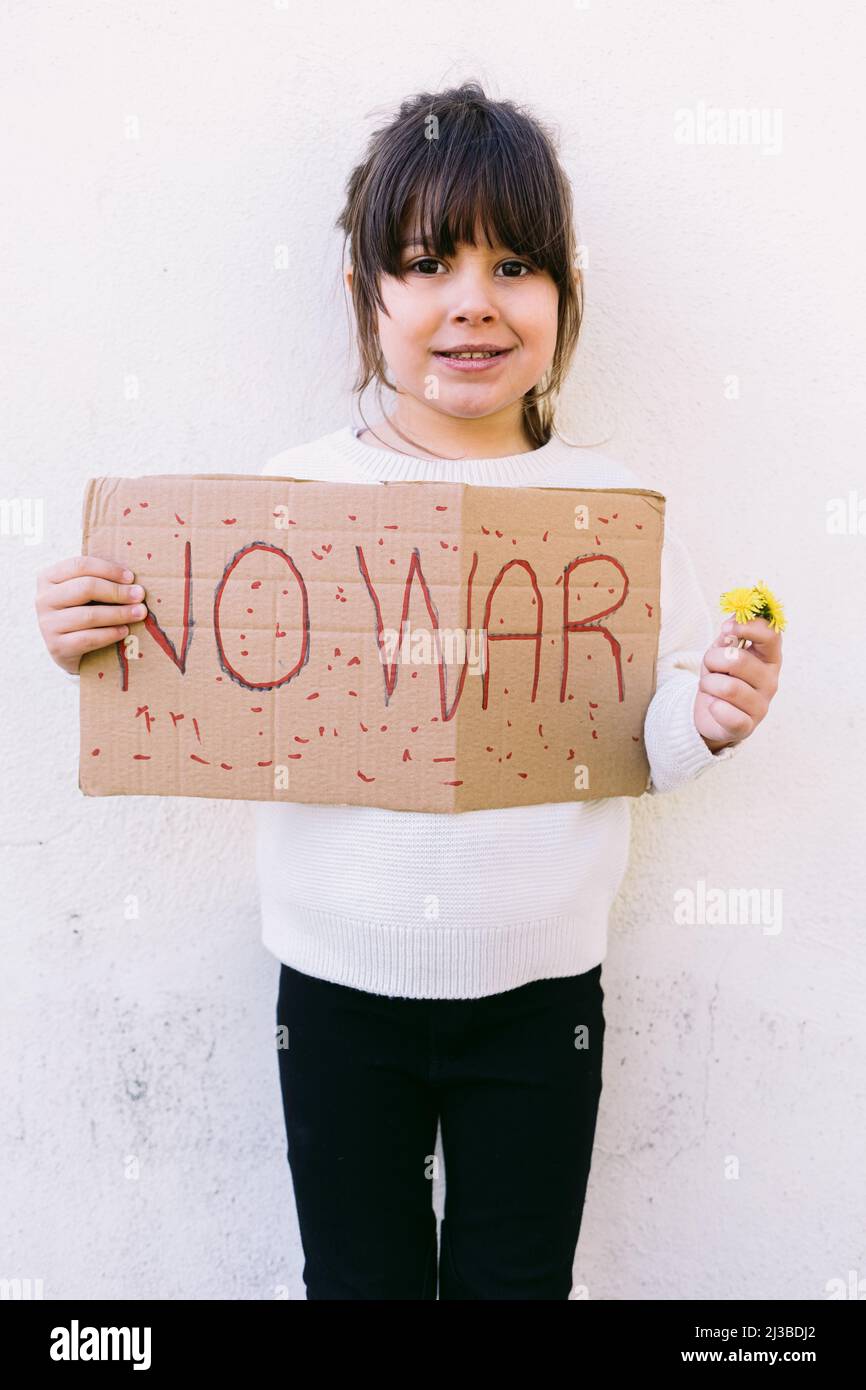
x=662 y=514
x=94 y=487
x=93 y=483
x=87 y=507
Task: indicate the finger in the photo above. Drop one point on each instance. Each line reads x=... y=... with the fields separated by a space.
x=736 y=661
x=741 y=662
x=766 y=642
x=99 y=615
x=88 y=588
x=78 y=643
x=735 y=723
x=87 y=564
x=734 y=691
x=79 y=566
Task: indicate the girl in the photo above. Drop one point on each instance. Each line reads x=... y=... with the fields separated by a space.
x=446 y=969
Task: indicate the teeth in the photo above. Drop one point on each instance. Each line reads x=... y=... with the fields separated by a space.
x=470 y=355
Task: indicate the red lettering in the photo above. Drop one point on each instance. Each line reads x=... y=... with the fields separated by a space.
x=512 y=636
x=304 y=656
x=587 y=624
x=390 y=668
x=590 y=624
x=161 y=638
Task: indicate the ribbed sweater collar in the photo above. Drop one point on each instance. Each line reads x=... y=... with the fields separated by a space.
x=386 y=465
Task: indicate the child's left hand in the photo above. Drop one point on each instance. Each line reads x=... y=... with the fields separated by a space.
x=737 y=683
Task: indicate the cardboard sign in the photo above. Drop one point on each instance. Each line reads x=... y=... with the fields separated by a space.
x=421 y=646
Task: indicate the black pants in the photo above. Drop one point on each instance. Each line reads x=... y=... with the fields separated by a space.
x=514 y=1079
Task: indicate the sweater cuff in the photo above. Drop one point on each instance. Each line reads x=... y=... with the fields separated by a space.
x=675 y=750
x=72 y=675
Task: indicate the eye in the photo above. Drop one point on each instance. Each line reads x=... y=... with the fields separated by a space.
x=521 y=265
x=425 y=260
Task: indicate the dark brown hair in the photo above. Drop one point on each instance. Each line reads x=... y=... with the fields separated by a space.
x=446 y=162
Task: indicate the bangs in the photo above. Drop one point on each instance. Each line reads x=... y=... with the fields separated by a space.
x=481 y=176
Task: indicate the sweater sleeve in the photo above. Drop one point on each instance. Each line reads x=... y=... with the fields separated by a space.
x=676 y=751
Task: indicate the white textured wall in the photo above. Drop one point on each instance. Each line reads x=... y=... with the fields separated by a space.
x=152 y=258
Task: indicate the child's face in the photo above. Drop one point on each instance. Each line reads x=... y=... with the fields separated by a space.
x=480 y=295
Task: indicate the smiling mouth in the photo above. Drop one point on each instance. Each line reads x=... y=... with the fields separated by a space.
x=473 y=361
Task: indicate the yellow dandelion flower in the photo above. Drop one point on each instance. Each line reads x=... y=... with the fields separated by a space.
x=770 y=607
x=741 y=603
x=757 y=602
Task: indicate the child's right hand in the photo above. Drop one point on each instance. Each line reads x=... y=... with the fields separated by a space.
x=83 y=604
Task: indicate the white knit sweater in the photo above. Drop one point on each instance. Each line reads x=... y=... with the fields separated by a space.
x=431 y=906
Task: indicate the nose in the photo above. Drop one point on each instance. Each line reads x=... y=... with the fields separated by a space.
x=473 y=300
